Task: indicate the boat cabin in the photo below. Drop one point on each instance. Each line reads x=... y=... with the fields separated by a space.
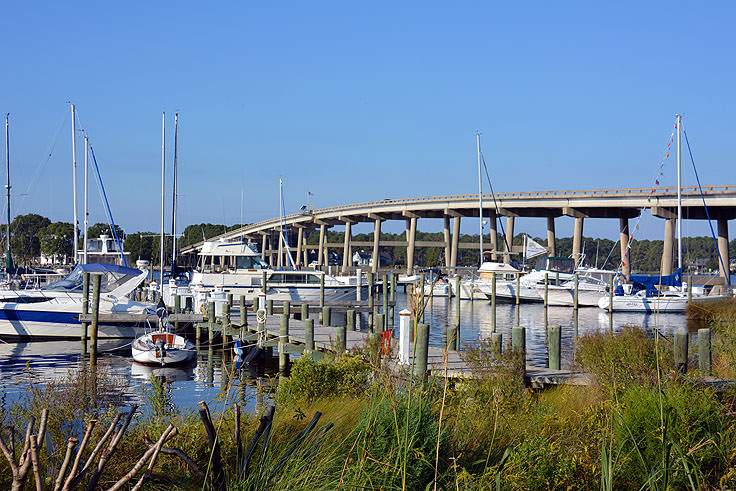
x=222 y=257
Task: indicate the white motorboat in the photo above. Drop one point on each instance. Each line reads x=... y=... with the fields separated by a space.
x=440 y=288
x=52 y=312
x=592 y=285
x=239 y=270
x=162 y=347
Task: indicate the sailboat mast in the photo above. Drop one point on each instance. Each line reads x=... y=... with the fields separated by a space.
x=480 y=199
x=679 y=191
x=86 y=189
x=175 y=185
x=8 y=257
x=74 y=177
x=163 y=203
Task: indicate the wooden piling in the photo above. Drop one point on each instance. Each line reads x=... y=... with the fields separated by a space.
x=577 y=292
x=705 y=362
x=264 y=282
x=350 y=320
x=210 y=321
x=243 y=313
x=493 y=303
x=283 y=342
x=457 y=303
x=452 y=338
x=85 y=310
x=546 y=290
x=326 y=316
x=95 y=318
x=341 y=339
x=286 y=309
x=308 y=336
x=610 y=295
x=379 y=323
x=518 y=288
x=322 y=290
x=177 y=310
x=681 y=347
x=393 y=287
x=269 y=306
x=554 y=341
x=384 y=326
x=225 y=325
x=518 y=345
x=421 y=349
x=496 y=343
x=690 y=289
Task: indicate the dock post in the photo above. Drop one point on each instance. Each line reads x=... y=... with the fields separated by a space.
x=286 y=309
x=379 y=322
x=681 y=342
x=350 y=320
x=546 y=290
x=452 y=338
x=85 y=310
x=308 y=336
x=554 y=341
x=341 y=339
x=95 y=318
x=384 y=326
x=229 y=299
x=404 y=336
x=269 y=306
x=177 y=310
x=305 y=311
x=610 y=295
x=210 y=321
x=493 y=303
x=518 y=345
x=577 y=291
x=243 y=314
x=283 y=341
x=370 y=302
x=225 y=325
x=264 y=282
x=322 y=290
x=518 y=288
x=496 y=343
x=690 y=290
x=704 y=354
x=358 y=284
x=421 y=350
x=326 y=316
x=393 y=287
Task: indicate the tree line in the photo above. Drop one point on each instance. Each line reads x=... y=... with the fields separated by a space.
x=33 y=235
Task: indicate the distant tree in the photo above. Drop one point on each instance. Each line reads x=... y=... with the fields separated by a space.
x=197 y=232
x=24 y=240
x=57 y=240
x=140 y=245
x=98 y=229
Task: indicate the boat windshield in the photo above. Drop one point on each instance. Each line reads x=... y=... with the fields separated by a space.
x=250 y=262
x=111 y=277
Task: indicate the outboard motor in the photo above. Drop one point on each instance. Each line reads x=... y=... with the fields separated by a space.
x=161 y=349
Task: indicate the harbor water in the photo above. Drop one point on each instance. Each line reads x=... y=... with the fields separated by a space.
x=210 y=379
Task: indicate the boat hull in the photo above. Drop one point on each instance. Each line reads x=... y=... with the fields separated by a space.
x=666 y=304
x=177 y=350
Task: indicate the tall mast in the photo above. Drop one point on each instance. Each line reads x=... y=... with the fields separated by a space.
x=175 y=185
x=163 y=204
x=480 y=199
x=8 y=257
x=679 y=191
x=74 y=177
x=86 y=207
x=281 y=219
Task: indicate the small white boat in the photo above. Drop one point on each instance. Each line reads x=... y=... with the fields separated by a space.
x=163 y=348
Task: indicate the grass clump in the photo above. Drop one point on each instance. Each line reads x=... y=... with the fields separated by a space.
x=346 y=376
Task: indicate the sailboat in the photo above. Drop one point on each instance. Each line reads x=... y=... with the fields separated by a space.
x=657 y=293
x=162 y=346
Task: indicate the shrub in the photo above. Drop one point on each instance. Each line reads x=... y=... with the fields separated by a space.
x=347 y=375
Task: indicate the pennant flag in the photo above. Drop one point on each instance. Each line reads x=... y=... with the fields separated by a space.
x=534 y=249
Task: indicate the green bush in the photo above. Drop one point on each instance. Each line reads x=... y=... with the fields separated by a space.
x=347 y=375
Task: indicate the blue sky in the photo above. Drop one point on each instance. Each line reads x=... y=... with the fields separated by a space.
x=361 y=102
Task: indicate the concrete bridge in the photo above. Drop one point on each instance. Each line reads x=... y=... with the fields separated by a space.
x=619 y=204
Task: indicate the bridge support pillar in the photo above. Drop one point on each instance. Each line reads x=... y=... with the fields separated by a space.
x=494 y=235
x=455 y=240
x=411 y=235
x=346 y=257
x=321 y=249
x=376 y=245
x=669 y=245
x=551 y=237
x=263 y=247
x=577 y=239
x=299 y=244
x=509 y=239
x=723 y=267
x=623 y=224
x=448 y=252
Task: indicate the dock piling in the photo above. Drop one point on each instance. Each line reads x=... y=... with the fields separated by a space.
x=681 y=346
x=283 y=341
x=269 y=306
x=95 y=318
x=243 y=313
x=85 y=310
x=305 y=311
x=308 y=336
x=350 y=320
x=404 y=335
x=286 y=309
x=496 y=343
x=326 y=316
x=705 y=362
x=577 y=292
x=421 y=349
x=554 y=340
x=341 y=339
x=493 y=303
x=210 y=321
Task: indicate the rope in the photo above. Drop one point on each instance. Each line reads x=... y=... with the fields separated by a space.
x=707 y=214
x=495 y=204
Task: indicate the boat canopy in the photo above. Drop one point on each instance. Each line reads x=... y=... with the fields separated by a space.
x=556 y=264
x=494 y=267
x=650 y=282
x=114 y=280
x=227 y=249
